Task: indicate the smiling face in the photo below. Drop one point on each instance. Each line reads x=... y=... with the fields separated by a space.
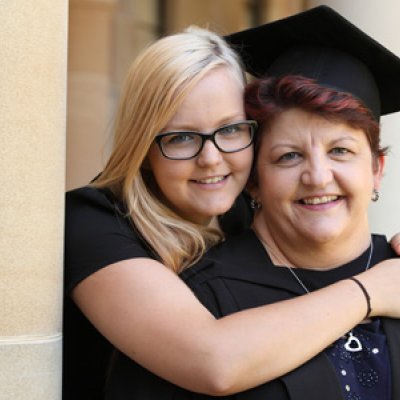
x=207 y=185
x=315 y=180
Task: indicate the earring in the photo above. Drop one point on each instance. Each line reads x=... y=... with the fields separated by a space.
x=375 y=195
x=254 y=204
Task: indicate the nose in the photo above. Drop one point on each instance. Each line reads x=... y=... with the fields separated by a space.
x=209 y=155
x=317 y=172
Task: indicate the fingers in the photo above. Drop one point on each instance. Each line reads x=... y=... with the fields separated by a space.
x=395 y=242
x=382 y=283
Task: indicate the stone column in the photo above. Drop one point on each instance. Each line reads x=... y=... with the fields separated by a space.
x=381 y=21
x=33 y=54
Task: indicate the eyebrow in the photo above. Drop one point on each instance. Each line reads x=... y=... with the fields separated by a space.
x=295 y=146
x=187 y=127
x=351 y=138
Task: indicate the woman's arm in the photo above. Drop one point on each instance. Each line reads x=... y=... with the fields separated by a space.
x=147 y=312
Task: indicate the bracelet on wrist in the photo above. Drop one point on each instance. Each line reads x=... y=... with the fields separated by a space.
x=366 y=294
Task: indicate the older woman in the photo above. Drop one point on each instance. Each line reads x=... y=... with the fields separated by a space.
x=182 y=154
x=318 y=165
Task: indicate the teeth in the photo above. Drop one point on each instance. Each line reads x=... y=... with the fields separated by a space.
x=215 y=179
x=320 y=200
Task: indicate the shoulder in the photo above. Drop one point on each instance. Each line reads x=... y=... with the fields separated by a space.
x=97 y=233
x=237 y=257
x=239 y=218
x=236 y=275
x=89 y=212
x=382 y=248
x=89 y=201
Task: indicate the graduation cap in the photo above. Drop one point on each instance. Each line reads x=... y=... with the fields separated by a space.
x=322 y=45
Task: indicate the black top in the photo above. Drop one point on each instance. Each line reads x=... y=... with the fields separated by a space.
x=239 y=274
x=97 y=234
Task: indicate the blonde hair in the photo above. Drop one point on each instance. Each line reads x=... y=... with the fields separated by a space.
x=156 y=84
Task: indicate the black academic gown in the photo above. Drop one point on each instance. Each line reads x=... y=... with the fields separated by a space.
x=239 y=275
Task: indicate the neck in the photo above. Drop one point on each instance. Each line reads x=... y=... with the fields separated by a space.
x=310 y=255
x=214 y=223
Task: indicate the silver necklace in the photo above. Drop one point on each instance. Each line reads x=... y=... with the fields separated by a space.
x=352 y=344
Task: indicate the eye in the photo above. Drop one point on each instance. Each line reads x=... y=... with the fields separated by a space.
x=177 y=139
x=230 y=130
x=290 y=156
x=340 y=151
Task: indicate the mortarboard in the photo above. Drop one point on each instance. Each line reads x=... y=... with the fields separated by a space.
x=323 y=45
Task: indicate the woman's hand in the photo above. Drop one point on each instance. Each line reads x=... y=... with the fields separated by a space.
x=395 y=242
x=382 y=283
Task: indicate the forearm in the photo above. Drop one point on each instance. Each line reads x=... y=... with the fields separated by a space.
x=264 y=343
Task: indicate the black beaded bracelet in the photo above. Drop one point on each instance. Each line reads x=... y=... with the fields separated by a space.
x=367 y=297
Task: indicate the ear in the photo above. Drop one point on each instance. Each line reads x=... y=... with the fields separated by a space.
x=378 y=168
x=146 y=164
x=252 y=186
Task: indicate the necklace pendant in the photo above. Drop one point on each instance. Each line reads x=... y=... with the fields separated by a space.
x=353 y=344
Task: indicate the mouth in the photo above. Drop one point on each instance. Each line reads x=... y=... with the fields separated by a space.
x=317 y=200
x=211 y=180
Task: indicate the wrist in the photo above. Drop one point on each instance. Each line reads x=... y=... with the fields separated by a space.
x=366 y=295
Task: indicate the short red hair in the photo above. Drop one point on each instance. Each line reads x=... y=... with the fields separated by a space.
x=267 y=98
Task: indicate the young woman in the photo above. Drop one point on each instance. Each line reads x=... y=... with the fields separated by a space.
x=181 y=156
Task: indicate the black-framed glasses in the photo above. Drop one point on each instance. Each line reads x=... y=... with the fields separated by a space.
x=184 y=145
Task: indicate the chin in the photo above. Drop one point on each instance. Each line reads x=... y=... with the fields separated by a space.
x=204 y=216
x=213 y=210
x=223 y=210
x=321 y=236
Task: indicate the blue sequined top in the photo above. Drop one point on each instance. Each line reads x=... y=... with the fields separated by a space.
x=364 y=374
